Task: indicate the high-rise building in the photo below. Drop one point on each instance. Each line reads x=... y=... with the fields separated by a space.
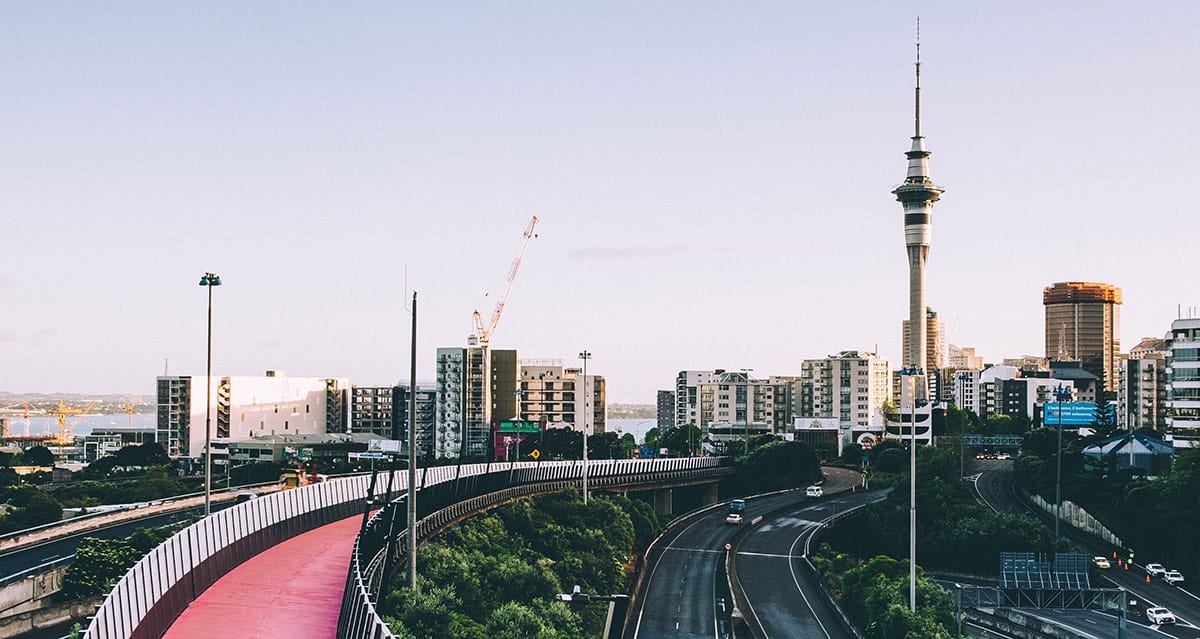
x=243 y=407
x=462 y=392
x=917 y=195
x=935 y=341
x=1183 y=383
x=850 y=387
x=1083 y=324
x=666 y=409
x=552 y=394
x=1142 y=394
x=964 y=358
x=733 y=404
x=687 y=395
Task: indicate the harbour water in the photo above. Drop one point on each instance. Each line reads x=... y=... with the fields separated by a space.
x=80 y=424
x=84 y=424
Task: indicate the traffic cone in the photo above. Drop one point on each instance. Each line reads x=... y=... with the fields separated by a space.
x=1114 y=554
x=1147 y=578
x=1127 y=566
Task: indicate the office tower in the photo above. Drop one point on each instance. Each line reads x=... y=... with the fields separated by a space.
x=1083 y=324
x=935 y=342
x=552 y=394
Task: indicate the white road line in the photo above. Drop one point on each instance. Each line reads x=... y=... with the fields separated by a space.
x=796 y=580
x=642 y=606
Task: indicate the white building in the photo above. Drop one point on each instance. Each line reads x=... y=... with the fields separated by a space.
x=1142 y=387
x=1183 y=383
x=734 y=405
x=553 y=395
x=687 y=395
x=244 y=407
x=850 y=387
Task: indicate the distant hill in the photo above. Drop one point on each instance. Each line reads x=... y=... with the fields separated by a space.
x=95 y=404
x=632 y=411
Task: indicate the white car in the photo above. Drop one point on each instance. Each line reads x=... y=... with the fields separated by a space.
x=733 y=518
x=814 y=491
x=1173 y=577
x=1160 y=615
x=1155 y=570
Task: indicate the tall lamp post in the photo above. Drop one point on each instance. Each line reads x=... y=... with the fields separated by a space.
x=210 y=280
x=585 y=356
x=911 y=372
x=749 y=409
x=1060 y=393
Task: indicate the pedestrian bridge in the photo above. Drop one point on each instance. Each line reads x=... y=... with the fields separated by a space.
x=148 y=599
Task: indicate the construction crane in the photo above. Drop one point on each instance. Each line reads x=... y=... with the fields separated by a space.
x=64 y=429
x=483 y=334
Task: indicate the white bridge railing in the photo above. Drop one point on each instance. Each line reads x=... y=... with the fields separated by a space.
x=152 y=594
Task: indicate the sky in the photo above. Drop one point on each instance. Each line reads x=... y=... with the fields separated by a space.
x=712 y=181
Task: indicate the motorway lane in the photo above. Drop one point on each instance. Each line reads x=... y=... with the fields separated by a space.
x=685 y=594
x=996 y=486
x=783 y=592
x=1091 y=624
x=17 y=561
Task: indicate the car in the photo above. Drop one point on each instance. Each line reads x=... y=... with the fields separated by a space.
x=733 y=518
x=1155 y=570
x=243 y=498
x=1003 y=456
x=814 y=491
x=1160 y=615
x=1101 y=562
x=1173 y=577
x=737 y=506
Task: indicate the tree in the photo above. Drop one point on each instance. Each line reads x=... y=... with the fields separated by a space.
x=98 y=565
x=34 y=508
x=682 y=440
x=958 y=422
x=652 y=437
x=561 y=443
x=38 y=456
x=776 y=466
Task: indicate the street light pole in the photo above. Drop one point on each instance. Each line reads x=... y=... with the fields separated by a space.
x=1060 y=392
x=749 y=405
x=912 y=372
x=585 y=356
x=210 y=280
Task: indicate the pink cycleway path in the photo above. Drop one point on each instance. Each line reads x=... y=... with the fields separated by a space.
x=292 y=591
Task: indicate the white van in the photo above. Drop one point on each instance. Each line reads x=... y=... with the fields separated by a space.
x=814 y=491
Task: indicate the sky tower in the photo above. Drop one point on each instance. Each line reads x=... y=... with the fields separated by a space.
x=917 y=194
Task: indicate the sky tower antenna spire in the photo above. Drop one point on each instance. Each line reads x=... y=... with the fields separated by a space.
x=918 y=88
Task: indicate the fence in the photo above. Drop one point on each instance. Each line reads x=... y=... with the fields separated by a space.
x=147 y=600
x=437 y=509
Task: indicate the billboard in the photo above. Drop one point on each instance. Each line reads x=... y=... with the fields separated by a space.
x=1073 y=414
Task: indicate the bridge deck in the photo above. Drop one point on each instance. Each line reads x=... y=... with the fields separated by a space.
x=292 y=591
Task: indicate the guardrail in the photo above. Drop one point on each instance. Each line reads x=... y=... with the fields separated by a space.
x=147 y=600
x=440 y=508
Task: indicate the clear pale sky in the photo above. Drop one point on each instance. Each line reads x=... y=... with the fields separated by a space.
x=712 y=181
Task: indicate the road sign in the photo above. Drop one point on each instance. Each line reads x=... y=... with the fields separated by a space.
x=535 y=454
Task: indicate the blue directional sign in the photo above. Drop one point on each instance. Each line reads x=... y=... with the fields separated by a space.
x=1073 y=414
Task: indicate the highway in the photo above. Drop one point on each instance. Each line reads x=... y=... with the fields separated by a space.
x=22 y=559
x=996 y=486
x=783 y=593
x=685 y=595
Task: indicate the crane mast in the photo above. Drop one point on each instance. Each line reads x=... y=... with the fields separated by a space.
x=483 y=334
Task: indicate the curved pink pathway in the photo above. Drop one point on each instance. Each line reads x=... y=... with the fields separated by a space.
x=292 y=591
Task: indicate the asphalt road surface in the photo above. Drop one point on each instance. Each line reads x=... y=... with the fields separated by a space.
x=783 y=592
x=995 y=484
x=685 y=593
x=23 y=559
